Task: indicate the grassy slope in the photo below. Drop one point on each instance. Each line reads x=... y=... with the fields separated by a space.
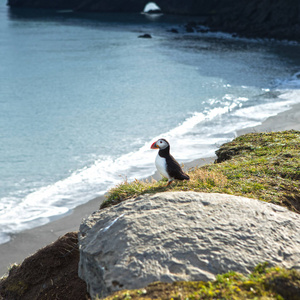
x=265 y=166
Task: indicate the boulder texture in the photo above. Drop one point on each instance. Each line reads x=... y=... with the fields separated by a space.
x=177 y=236
x=256 y=18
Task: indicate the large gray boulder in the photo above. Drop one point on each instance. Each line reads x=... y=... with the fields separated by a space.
x=183 y=236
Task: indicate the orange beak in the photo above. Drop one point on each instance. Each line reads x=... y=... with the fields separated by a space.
x=154 y=146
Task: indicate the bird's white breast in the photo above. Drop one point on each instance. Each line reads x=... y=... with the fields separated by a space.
x=161 y=166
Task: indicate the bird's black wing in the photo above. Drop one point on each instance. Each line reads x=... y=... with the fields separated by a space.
x=174 y=169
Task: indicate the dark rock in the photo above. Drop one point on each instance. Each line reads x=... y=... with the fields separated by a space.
x=154 y=11
x=173 y=30
x=145 y=36
x=203 y=30
x=189 y=28
x=192 y=24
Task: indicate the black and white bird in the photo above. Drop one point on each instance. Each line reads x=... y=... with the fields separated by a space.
x=166 y=164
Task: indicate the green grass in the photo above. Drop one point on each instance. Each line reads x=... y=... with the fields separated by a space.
x=265 y=166
x=263 y=283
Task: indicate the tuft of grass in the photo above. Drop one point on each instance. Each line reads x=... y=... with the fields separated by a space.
x=200 y=179
x=265 y=166
x=263 y=283
x=127 y=190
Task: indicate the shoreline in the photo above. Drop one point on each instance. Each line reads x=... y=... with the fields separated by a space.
x=29 y=241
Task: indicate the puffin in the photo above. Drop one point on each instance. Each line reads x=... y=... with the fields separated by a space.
x=166 y=164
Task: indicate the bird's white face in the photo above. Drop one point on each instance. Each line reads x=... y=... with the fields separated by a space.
x=160 y=144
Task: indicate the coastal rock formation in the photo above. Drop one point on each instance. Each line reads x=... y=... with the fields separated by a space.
x=145 y=36
x=257 y=18
x=177 y=236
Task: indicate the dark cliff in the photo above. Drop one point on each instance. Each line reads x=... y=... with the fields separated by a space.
x=255 y=18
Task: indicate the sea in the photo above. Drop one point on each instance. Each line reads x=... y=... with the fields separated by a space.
x=82 y=98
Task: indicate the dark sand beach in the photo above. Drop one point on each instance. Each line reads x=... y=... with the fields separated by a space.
x=28 y=242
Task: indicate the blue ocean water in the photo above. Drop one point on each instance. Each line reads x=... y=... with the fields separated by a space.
x=82 y=98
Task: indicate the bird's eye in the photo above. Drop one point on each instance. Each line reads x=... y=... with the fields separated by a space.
x=160 y=142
